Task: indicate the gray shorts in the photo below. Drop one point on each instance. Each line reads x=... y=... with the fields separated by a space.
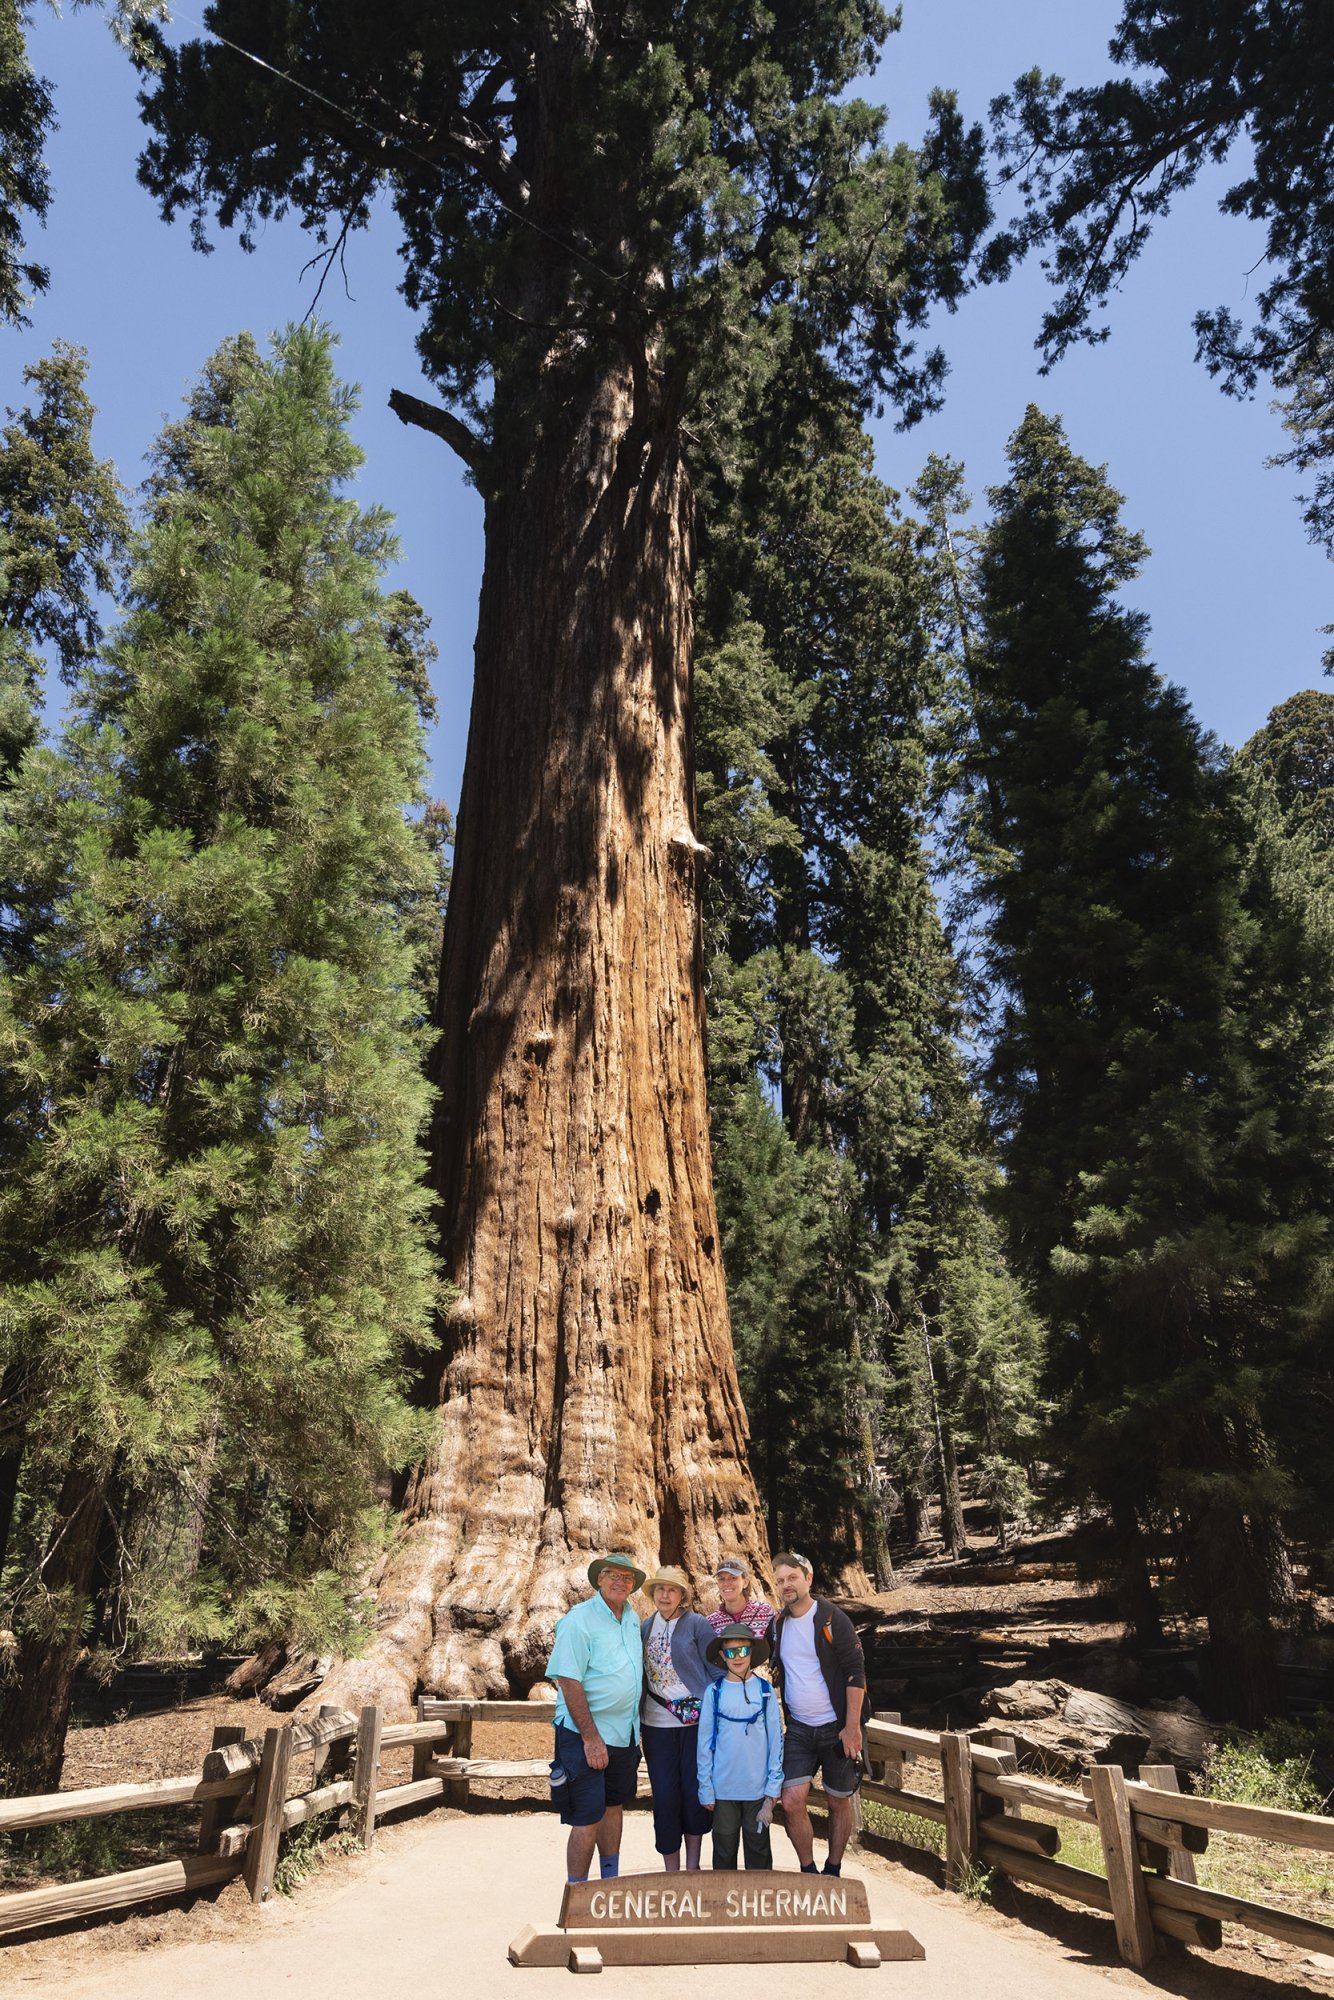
x=810 y=1748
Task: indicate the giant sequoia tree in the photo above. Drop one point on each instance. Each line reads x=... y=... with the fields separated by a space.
x=617 y=222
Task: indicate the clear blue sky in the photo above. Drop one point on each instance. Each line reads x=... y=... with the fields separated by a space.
x=1235 y=593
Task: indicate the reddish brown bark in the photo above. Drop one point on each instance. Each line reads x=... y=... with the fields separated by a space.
x=588 y=1390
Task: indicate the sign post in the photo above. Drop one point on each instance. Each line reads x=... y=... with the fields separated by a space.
x=713 y=1917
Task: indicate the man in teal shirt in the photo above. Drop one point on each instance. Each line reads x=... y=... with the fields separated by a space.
x=597 y=1663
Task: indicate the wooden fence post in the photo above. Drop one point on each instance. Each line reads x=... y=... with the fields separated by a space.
x=457 y=1789
x=1130 y=1899
x=366 y=1774
x=991 y=1808
x=887 y=1765
x=956 y=1763
x=1163 y=1778
x=266 y=1816
x=333 y=1761
x=216 y=1813
x=326 y=1760
x=440 y=1746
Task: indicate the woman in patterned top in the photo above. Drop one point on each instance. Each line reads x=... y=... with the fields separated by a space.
x=676 y=1673
x=738 y=1606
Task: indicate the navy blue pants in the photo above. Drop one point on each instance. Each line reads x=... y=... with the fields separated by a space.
x=673 y=1772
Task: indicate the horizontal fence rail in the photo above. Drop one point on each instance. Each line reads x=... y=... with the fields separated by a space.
x=995 y=1817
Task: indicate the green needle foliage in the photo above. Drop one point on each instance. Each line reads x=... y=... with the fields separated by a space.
x=878 y=1333
x=215 y=1233
x=1158 y=1068
x=696 y=187
x=62 y=536
x=26 y=115
x=1099 y=166
x=1294 y=753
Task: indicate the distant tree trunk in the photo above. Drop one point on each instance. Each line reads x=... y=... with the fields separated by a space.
x=11 y=1467
x=1241 y=1669
x=11 y=1456
x=951 y=1499
x=916 y=1510
x=1239 y=1571
x=586 y=1376
x=951 y=1503
x=35 y=1713
x=877 y=1562
x=1134 y=1587
x=109 y=1619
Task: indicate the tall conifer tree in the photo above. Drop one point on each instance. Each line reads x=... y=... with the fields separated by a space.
x=1158 y=1065
x=852 y=1209
x=216 y=1220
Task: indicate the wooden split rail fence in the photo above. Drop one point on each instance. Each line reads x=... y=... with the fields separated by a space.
x=245 y=1789
x=1149 y=1832
x=994 y=1816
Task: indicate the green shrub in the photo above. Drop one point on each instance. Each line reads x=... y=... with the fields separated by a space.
x=305 y=1850
x=68 y=1853
x=906 y=1828
x=1271 y=1767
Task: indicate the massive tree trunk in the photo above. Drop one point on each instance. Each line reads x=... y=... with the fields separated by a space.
x=588 y=1391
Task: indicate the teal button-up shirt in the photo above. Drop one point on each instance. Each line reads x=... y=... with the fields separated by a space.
x=605 y=1655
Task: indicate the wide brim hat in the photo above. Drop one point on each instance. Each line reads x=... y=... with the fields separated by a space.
x=614 y=1561
x=759 y=1648
x=670 y=1574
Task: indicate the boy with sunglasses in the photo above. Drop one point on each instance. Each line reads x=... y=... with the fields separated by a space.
x=740 y=1755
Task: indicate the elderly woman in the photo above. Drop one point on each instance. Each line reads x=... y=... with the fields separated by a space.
x=676 y=1673
x=738 y=1606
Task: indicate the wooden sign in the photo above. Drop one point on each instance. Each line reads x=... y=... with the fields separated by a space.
x=713 y=1917
x=715 y=1896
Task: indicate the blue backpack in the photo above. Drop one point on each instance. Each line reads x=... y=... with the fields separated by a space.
x=745 y=1721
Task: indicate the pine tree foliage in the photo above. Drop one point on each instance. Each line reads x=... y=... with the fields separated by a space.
x=1307 y=409
x=1098 y=166
x=63 y=525
x=216 y=1246
x=26 y=116
x=1159 y=1062
x=1294 y=754
x=1308 y=418
x=714 y=195
x=850 y=1158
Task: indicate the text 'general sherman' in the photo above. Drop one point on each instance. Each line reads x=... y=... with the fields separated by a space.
x=696 y=1905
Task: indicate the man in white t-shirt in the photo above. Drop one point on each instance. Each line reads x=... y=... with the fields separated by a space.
x=820 y=1671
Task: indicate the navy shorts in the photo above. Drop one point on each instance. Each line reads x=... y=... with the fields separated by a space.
x=808 y=1748
x=583 y=1795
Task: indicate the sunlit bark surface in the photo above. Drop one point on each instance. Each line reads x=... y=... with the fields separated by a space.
x=588 y=1390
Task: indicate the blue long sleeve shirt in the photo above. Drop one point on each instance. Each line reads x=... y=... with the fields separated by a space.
x=740 y=1754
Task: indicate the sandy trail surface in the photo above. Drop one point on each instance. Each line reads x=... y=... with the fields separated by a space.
x=432 y=1910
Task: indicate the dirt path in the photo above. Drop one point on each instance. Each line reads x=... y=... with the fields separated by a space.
x=432 y=1909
